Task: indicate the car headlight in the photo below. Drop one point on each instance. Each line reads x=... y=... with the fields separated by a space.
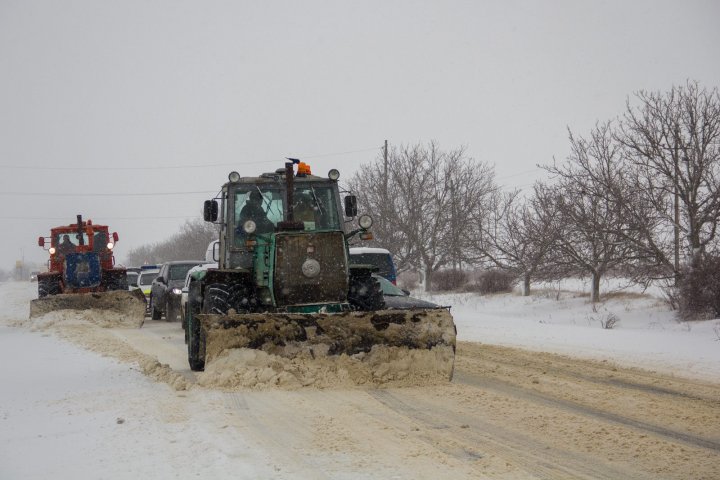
x=176 y=291
x=365 y=221
x=249 y=226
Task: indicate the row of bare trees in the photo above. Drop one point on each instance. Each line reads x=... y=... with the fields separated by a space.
x=427 y=205
x=638 y=196
x=190 y=243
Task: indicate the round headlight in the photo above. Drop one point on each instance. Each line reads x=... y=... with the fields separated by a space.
x=334 y=174
x=52 y=250
x=110 y=245
x=365 y=221
x=249 y=226
x=234 y=177
x=176 y=291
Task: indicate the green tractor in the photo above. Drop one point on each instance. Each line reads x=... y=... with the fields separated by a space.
x=284 y=284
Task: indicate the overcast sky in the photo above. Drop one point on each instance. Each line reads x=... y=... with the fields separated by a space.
x=132 y=113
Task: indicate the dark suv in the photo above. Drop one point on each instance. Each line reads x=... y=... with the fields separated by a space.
x=166 y=289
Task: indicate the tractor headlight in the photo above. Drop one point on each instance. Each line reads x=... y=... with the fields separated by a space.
x=110 y=245
x=365 y=221
x=52 y=250
x=234 y=177
x=249 y=226
x=334 y=174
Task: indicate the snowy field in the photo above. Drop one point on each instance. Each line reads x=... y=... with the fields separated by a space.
x=68 y=413
x=559 y=318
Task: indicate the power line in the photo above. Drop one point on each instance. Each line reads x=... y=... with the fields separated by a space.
x=179 y=167
x=518 y=173
x=104 y=218
x=170 y=167
x=66 y=194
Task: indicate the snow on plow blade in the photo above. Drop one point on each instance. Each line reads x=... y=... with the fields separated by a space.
x=377 y=347
x=127 y=307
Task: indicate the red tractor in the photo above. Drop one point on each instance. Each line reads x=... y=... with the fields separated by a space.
x=80 y=270
x=81 y=260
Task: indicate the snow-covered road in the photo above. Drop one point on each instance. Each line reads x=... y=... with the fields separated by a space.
x=79 y=401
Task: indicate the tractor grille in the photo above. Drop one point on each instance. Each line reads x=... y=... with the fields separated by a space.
x=310 y=268
x=82 y=270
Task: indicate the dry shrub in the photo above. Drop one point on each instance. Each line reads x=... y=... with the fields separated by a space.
x=493 y=281
x=699 y=289
x=447 y=280
x=409 y=280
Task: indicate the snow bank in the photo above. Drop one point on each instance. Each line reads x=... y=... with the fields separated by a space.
x=644 y=332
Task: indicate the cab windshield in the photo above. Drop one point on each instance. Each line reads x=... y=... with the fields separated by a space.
x=315 y=206
x=178 y=272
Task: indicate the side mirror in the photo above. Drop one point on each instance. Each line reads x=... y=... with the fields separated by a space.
x=115 y=237
x=210 y=210
x=41 y=241
x=351 y=206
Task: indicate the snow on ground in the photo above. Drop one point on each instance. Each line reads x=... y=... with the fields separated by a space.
x=66 y=412
x=561 y=319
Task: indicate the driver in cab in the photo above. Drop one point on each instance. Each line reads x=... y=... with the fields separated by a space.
x=253 y=210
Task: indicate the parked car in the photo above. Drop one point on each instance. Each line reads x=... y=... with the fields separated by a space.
x=133 y=274
x=212 y=251
x=379 y=257
x=166 y=289
x=147 y=275
x=194 y=273
x=396 y=298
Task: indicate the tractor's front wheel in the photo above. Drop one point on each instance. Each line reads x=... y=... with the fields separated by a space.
x=195 y=338
x=220 y=298
x=48 y=286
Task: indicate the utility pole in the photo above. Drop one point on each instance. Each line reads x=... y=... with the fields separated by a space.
x=385 y=176
x=677 y=210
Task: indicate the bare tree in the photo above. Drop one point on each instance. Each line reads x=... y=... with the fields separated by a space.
x=593 y=236
x=424 y=205
x=518 y=233
x=189 y=243
x=672 y=141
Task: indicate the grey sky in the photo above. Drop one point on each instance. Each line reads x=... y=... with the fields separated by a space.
x=114 y=97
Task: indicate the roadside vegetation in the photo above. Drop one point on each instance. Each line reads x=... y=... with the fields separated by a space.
x=638 y=197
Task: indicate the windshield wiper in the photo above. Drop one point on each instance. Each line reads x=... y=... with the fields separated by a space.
x=317 y=202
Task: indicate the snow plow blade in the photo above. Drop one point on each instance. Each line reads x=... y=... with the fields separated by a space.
x=127 y=306
x=423 y=340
